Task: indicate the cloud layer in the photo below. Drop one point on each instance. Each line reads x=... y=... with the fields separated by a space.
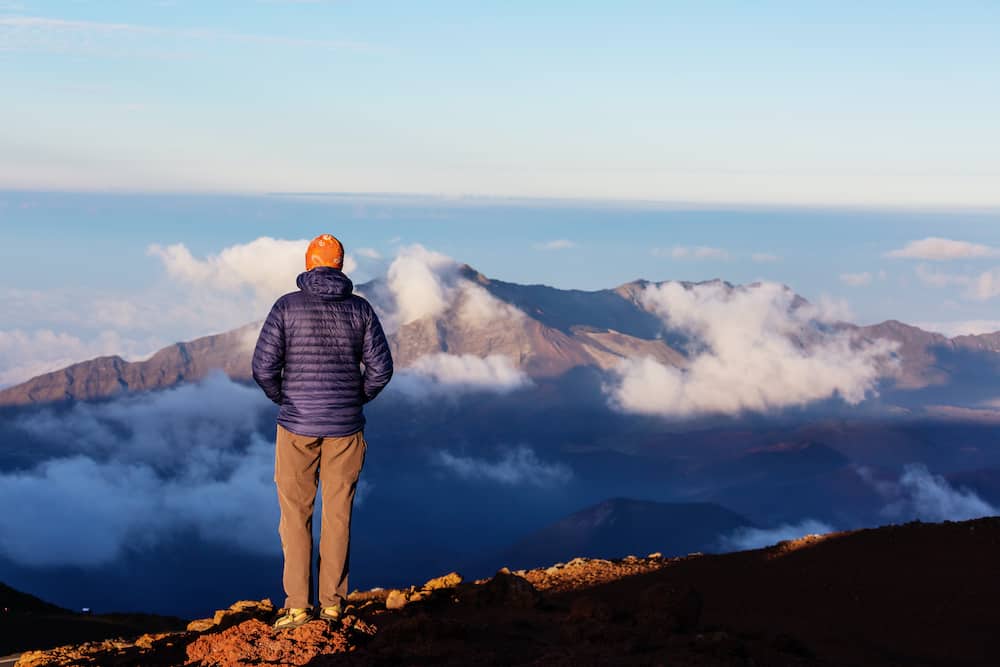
x=140 y=469
x=517 y=466
x=758 y=351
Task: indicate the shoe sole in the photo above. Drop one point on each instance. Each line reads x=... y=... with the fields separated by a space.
x=291 y=626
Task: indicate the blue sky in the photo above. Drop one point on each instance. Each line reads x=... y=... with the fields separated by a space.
x=725 y=102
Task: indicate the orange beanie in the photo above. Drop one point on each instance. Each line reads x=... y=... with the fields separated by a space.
x=325 y=250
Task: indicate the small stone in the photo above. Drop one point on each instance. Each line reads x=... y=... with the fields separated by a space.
x=396 y=600
x=508 y=590
x=200 y=625
x=449 y=580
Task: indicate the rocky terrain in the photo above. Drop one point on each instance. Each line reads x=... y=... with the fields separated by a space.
x=910 y=594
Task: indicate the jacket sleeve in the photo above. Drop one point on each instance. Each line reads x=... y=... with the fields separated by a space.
x=269 y=354
x=376 y=357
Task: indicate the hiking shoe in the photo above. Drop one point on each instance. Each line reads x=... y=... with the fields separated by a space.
x=293 y=618
x=330 y=613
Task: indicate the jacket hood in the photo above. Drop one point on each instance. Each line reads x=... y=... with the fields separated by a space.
x=326 y=283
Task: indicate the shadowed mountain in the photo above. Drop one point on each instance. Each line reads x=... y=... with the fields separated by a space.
x=622 y=525
x=28 y=622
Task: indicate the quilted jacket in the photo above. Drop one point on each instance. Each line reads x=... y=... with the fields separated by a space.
x=309 y=354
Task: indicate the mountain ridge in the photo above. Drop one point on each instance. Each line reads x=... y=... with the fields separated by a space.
x=560 y=329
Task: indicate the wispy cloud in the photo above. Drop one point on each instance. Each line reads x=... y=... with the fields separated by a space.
x=856 y=279
x=764 y=257
x=920 y=494
x=941 y=249
x=27 y=353
x=516 y=466
x=691 y=252
x=757 y=538
x=557 y=244
x=56 y=35
x=978 y=286
x=961 y=327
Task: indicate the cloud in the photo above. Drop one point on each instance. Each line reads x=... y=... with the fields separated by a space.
x=982 y=286
x=421 y=283
x=757 y=350
x=856 y=279
x=934 y=278
x=514 y=467
x=691 y=252
x=135 y=471
x=757 y=538
x=986 y=285
x=763 y=257
x=265 y=265
x=370 y=253
x=439 y=374
x=166 y=429
x=556 y=244
x=920 y=494
x=941 y=249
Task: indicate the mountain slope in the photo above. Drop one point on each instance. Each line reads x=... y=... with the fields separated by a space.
x=104 y=377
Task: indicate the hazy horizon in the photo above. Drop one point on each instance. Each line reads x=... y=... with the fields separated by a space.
x=769 y=103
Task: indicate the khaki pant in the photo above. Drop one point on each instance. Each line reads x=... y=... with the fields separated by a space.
x=299 y=463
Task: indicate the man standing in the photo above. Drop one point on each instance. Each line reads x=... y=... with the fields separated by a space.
x=308 y=360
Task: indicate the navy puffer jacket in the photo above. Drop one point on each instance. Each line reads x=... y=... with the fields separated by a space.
x=309 y=353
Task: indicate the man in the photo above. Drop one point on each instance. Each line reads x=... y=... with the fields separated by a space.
x=308 y=360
